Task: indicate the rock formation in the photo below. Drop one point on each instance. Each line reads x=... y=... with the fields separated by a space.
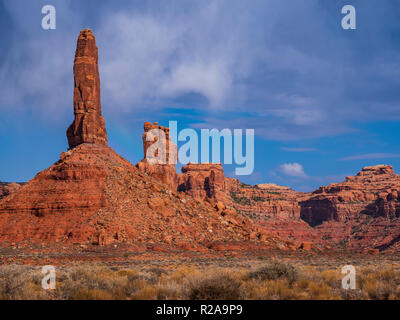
x=166 y=153
x=275 y=208
x=88 y=125
x=360 y=213
x=156 y=163
x=203 y=181
x=369 y=192
x=93 y=195
x=8 y=188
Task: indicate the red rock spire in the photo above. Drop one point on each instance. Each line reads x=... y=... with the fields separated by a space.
x=88 y=125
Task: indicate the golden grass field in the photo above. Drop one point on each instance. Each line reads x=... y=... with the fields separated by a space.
x=267 y=279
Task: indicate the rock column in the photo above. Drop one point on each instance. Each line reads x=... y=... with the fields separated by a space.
x=88 y=125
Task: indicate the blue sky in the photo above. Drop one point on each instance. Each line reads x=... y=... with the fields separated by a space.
x=323 y=101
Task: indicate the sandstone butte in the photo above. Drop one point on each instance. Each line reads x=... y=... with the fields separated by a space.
x=93 y=195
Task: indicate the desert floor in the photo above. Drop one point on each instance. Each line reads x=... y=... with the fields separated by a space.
x=117 y=272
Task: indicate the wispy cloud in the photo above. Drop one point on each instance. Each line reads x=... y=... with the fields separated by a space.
x=297 y=149
x=371 y=156
x=204 y=50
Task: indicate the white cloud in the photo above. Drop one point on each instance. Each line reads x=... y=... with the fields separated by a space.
x=293 y=169
x=372 y=156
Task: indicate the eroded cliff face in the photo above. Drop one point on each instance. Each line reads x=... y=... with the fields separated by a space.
x=362 y=212
x=373 y=191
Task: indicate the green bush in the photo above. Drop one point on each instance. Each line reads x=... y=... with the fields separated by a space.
x=241 y=200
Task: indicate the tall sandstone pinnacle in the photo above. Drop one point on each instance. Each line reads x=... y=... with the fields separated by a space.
x=89 y=125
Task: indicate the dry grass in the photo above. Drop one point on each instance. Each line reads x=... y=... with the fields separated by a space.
x=274 y=280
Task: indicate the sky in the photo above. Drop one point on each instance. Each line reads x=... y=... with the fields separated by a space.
x=323 y=101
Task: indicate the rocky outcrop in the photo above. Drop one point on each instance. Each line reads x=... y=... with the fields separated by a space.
x=360 y=213
x=156 y=162
x=275 y=208
x=203 y=181
x=88 y=125
x=57 y=203
x=388 y=204
x=369 y=192
x=266 y=201
x=8 y=188
x=165 y=152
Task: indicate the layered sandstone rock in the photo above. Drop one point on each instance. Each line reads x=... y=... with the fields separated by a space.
x=203 y=181
x=266 y=201
x=275 y=209
x=360 y=213
x=88 y=125
x=365 y=193
x=57 y=203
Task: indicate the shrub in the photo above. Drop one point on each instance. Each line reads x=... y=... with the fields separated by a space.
x=379 y=290
x=275 y=270
x=21 y=283
x=241 y=200
x=156 y=292
x=215 y=287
